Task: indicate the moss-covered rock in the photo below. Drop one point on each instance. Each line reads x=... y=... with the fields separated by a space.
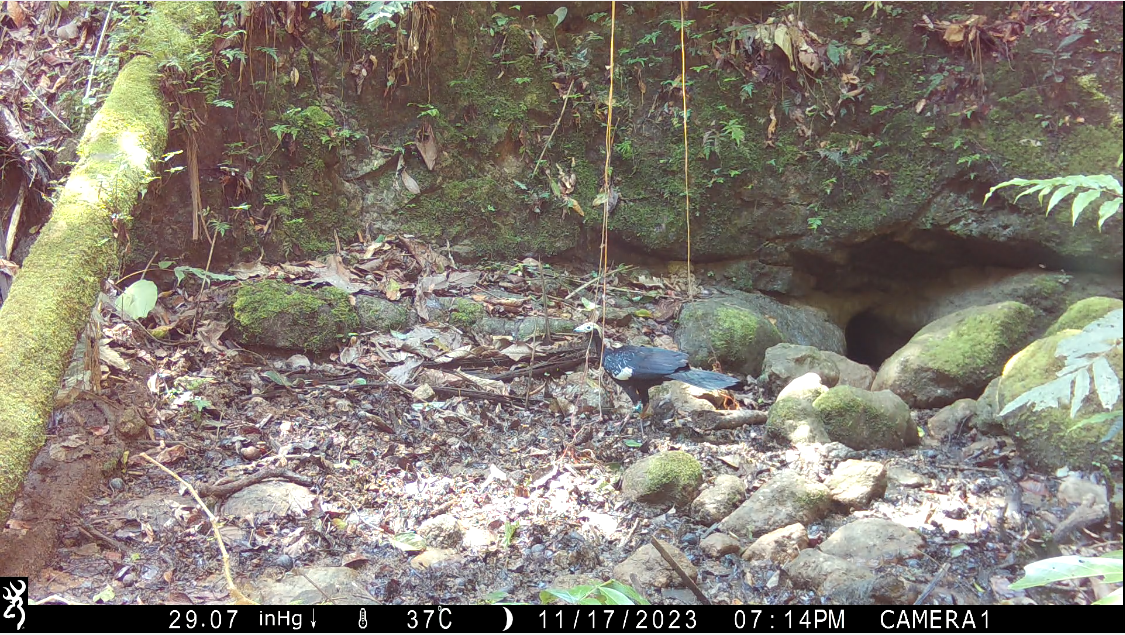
x=956 y=356
x=668 y=477
x=865 y=420
x=714 y=331
x=1081 y=313
x=280 y=315
x=792 y=416
x=1049 y=436
x=465 y=314
x=380 y=314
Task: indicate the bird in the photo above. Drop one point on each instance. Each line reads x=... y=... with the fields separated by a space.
x=638 y=368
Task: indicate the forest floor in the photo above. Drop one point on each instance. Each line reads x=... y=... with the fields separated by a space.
x=344 y=466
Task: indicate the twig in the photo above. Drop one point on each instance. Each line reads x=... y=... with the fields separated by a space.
x=239 y=598
x=558 y=121
x=616 y=271
x=97 y=49
x=933 y=584
x=683 y=575
x=44 y=105
x=14 y=223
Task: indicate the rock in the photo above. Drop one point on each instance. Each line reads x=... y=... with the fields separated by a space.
x=986 y=414
x=952 y=419
x=718 y=545
x=956 y=356
x=668 y=477
x=535 y=327
x=1074 y=489
x=780 y=545
x=865 y=420
x=433 y=557
x=1081 y=313
x=883 y=589
x=382 y=315
x=852 y=373
x=873 y=540
x=652 y=570
x=854 y=484
x=716 y=502
x=280 y=315
x=465 y=314
x=786 y=499
x=424 y=392
x=785 y=362
x=737 y=328
x=903 y=477
x=310 y=587
x=1047 y=435
x=792 y=415
x=824 y=573
x=754 y=275
x=443 y=531
x=734 y=336
x=615 y=316
x=682 y=397
x=132 y=422
x=270 y=497
x=477 y=538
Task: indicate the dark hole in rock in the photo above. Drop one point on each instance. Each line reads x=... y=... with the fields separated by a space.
x=872 y=338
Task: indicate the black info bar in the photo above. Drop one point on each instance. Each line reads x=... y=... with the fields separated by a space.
x=550 y=619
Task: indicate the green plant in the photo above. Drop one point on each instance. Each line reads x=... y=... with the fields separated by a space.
x=735 y=131
x=1043 y=572
x=610 y=592
x=815 y=222
x=1086 y=364
x=1086 y=190
x=510 y=530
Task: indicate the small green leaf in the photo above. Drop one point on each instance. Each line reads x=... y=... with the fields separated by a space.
x=138 y=300
x=1065 y=568
x=278 y=378
x=1080 y=202
x=408 y=541
x=1059 y=195
x=633 y=443
x=1107 y=209
x=559 y=15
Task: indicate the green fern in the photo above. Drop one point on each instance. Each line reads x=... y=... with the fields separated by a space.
x=1086 y=190
x=1086 y=366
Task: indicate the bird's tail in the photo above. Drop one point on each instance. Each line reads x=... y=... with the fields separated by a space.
x=705 y=379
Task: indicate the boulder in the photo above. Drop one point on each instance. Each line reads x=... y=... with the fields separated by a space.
x=956 y=356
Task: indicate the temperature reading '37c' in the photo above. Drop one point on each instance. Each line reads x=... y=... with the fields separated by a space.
x=429 y=618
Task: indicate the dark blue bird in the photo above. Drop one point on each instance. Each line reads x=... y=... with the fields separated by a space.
x=638 y=368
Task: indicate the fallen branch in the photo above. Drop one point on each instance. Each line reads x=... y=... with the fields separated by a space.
x=727 y=419
x=222 y=490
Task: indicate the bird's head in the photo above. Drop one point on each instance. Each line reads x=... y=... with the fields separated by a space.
x=588 y=327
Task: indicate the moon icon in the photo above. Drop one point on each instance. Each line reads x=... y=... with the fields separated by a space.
x=508 y=613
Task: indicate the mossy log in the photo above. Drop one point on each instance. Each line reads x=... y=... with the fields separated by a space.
x=53 y=294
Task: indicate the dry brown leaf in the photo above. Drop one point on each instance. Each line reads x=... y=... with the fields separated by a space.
x=427 y=145
x=920 y=105
x=410 y=184
x=294 y=76
x=954 y=34
x=16 y=13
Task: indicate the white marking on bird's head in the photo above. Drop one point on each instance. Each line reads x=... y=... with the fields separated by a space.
x=587 y=327
x=624 y=374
